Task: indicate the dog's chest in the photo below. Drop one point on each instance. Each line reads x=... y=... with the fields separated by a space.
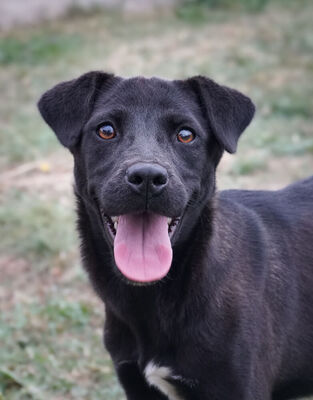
x=160 y=377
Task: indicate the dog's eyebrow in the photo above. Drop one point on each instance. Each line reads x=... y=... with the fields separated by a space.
x=107 y=115
x=176 y=118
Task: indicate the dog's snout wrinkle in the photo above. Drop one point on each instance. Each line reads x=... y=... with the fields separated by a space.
x=147 y=179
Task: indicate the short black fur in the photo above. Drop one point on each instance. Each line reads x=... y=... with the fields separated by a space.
x=233 y=319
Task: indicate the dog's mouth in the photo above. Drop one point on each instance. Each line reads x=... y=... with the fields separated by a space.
x=112 y=224
x=142 y=244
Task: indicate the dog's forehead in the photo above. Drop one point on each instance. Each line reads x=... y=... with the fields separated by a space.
x=152 y=94
x=143 y=89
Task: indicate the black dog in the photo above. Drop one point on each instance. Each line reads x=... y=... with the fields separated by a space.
x=208 y=296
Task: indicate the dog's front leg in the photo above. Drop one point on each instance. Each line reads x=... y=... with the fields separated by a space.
x=134 y=383
x=121 y=345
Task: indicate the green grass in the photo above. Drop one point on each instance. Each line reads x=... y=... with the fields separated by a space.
x=53 y=350
x=247 y=166
x=195 y=10
x=37 y=49
x=50 y=322
x=198 y=11
x=33 y=227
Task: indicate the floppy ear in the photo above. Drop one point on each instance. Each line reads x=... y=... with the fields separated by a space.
x=228 y=112
x=67 y=106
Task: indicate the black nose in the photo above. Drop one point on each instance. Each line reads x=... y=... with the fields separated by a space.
x=147 y=179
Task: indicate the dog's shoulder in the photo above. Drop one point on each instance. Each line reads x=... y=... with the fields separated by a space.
x=300 y=192
x=303 y=190
x=273 y=207
x=247 y=203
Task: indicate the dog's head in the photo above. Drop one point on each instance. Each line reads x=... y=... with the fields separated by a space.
x=145 y=154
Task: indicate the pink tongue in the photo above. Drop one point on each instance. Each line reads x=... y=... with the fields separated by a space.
x=142 y=247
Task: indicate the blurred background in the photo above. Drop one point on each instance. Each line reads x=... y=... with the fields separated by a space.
x=50 y=320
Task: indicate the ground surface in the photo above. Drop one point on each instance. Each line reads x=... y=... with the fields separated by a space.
x=50 y=321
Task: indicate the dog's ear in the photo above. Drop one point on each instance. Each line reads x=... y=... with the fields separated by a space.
x=228 y=112
x=67 y=106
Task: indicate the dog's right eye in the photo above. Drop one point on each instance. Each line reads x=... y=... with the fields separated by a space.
x=106 y=132
x=185 y=136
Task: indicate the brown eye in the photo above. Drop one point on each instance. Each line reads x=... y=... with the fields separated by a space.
x=106 y=132
x=185 y=136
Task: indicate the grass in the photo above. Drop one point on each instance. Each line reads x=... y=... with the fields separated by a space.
x=38 y=219
x=50 y=321
x=196 y=11
x=37 y=49
x=47 y=356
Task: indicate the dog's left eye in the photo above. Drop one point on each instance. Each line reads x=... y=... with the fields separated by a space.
x=185 y=136
x=106 y=132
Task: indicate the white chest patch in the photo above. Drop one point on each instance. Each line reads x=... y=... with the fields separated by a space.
x=156 y=376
